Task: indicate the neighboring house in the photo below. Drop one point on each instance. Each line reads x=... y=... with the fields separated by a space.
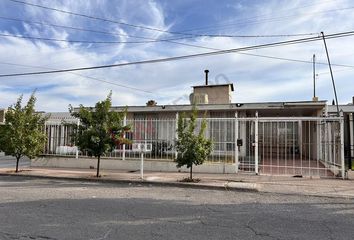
x=277 y=138
x=348 y=114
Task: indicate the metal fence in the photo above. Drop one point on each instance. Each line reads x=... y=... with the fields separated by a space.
x=291 y=146
x=274 y=146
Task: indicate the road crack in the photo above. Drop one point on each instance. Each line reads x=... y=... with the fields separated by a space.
x=20 y=236
x=257 y=233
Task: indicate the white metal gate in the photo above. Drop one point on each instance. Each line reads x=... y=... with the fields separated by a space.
x=306 y=146
x=290 y=146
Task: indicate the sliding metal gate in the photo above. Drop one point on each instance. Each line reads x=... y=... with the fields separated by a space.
x=290 y=146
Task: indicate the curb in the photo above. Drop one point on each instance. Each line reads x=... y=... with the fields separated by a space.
x=228 y=186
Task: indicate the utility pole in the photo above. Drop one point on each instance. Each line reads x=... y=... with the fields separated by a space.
x=314 y=98
x=330 y=69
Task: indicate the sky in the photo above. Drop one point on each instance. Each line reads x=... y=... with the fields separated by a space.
x=187 y=22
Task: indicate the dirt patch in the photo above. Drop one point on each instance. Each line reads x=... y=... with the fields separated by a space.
x=194 y=180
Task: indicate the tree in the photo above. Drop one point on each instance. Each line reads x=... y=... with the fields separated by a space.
x=192 y=147
x=22 y=134
x=100 y=129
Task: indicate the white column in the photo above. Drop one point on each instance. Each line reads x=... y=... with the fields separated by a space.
x=124 y=124
x=77 y=148
x=351 y=133
x=236 y=147
x=256 y=144
x=319 y=144
x=318 y=141
x=45 y=132
x=142 y=165
x=342 y=144
x=176 y=134
x=300 y=137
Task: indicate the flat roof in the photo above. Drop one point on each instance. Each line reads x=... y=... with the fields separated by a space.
x=216 y=85
x=66 y=116
x=230 y=106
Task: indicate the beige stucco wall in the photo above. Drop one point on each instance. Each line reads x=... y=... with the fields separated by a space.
x=216 y=94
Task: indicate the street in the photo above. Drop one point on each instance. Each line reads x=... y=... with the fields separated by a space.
x=33 y=208
x=9 y=161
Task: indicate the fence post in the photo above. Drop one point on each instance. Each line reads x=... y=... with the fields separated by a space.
x=142 y=165
x=77 y=148
x=256 y=144
x=351 y=137
x=236 y=137
x=342 y=144
x=45 y=132
x=124 y=124
x=176 y=134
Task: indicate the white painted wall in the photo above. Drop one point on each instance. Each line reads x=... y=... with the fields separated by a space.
x=129 y=165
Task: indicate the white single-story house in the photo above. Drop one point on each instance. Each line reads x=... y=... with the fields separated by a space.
x=278 y=138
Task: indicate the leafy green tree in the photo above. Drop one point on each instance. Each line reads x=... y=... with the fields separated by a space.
x=23 y=134
x=192 y=147
x=100 y=129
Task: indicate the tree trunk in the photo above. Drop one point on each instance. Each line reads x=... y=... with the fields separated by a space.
x=17 y=161
x=98 y=166
x=190 y=172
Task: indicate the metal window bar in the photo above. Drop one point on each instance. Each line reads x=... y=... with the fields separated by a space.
x=305 y=146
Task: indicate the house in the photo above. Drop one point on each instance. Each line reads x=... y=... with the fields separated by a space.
x=277 y=138
x=348 y=115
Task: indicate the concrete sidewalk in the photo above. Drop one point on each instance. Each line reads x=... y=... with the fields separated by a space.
x=239 y=182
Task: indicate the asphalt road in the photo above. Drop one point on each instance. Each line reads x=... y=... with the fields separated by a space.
x=9 y=161
x=53 y=209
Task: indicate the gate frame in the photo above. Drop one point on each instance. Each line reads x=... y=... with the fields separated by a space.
x=257 y=119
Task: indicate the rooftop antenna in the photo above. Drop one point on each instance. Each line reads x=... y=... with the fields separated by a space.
x=314 y=98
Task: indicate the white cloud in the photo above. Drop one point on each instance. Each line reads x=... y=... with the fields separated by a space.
x=255 y=78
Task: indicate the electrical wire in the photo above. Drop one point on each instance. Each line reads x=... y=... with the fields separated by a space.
x=154 y=39
x=150 y=28
x=269 y=57
x=83 y=76
x=81 y=41
x=91 y=17
x=88 y=30
x=275 y=44
x=263 y=20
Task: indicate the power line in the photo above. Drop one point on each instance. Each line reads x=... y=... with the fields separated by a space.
x=88 y=30
x=105 y=42
x=154 y=39
x=83 y=76
x=275 y=44
x=154 y=29
x=91 y=17
x=80 y=41
x=202 y=47
x=109 y=33
x=263 y=20
x=269 y=57
x=248 y=19
x=249 y=54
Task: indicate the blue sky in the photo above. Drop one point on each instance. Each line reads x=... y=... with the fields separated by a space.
x=256 y=79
